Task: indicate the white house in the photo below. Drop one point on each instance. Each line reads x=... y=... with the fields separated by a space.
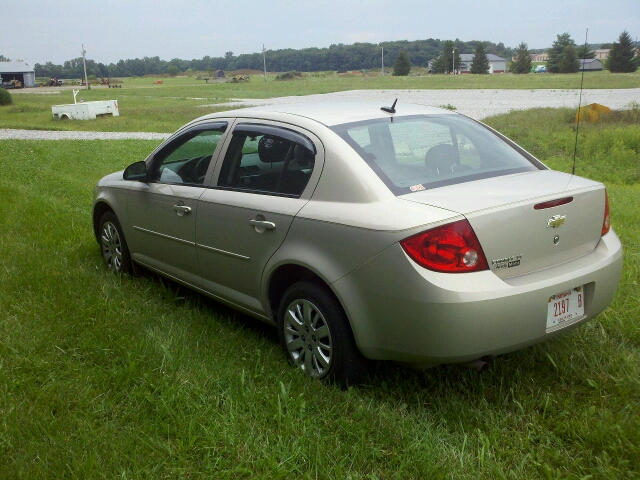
x=496 y=64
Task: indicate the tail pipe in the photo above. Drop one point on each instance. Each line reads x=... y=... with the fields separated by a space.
x=481 y=364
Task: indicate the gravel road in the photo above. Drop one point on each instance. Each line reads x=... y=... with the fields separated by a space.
x=9 y=133
x=475 y=103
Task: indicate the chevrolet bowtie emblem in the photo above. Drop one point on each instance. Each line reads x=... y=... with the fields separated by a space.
x=556 y=221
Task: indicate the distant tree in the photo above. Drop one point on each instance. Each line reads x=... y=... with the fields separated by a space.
x=562 y=56
x=621 y=55
x=606 y=45
x=228 y=55
x=480 y=63
x=172 y=70
x=447 y=60
x=585 y=52
x=4 y=59
x=402 y=66
x=570 y=60
x=522 y=61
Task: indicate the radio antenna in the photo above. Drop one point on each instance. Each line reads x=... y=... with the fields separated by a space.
x=575 y=146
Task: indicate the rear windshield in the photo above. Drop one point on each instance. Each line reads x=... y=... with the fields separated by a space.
x=428 y=151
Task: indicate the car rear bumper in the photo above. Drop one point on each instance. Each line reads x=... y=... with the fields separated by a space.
x=401 y=311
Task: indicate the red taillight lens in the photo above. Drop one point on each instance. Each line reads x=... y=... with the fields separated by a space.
x=606 y=223
x=553 y=203
x=451 y=248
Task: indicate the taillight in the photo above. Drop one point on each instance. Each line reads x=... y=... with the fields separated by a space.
x=553 y=203
x=451 y=248
x=606 y=223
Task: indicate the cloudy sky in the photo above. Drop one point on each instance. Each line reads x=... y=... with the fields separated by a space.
x=38 y=31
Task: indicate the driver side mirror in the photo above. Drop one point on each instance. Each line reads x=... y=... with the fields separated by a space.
x=136 y=171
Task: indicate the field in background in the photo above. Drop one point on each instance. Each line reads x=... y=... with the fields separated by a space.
x=104 y=376
x=149 y=107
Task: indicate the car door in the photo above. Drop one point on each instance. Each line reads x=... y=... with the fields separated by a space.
x=163 y=210
x=266 y=176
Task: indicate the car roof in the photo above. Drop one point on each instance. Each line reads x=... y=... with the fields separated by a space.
x=334 y=113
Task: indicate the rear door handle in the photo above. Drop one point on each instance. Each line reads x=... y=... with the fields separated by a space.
x=262 y=225
x=182 y=210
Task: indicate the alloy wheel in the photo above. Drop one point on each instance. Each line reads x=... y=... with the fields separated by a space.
x=111 y=246
x=308 y=338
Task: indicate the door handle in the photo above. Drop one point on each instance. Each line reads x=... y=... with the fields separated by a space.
x=262 y=225
x=182 y=210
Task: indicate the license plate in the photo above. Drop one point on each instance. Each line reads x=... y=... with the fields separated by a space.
x=565 y=308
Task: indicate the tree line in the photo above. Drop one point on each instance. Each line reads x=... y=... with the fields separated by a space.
x=340 y=57
x=442 y=56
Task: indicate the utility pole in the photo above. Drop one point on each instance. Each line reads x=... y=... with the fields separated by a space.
x=382 y=60
x=264 y=59
x=453 y=61
x=86 y=82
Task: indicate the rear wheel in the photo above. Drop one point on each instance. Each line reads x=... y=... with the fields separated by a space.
x=316 y=337
x=113 y=245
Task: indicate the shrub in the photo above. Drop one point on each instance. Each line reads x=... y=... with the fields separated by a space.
x=5 y=97
x=289 y=75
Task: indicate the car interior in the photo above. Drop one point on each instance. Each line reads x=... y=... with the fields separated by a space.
x=266 y=163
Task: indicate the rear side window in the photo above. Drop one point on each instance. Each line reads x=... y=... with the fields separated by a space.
x=420 y=152
x=268 y=160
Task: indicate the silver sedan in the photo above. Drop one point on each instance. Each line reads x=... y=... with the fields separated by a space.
x=404 y=233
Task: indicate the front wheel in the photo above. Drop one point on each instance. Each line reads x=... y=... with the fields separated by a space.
x=316 y=337
x=113 y=245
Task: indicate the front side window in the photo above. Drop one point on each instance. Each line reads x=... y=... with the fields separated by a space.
x=264 y=159
x=186 y=160
x=420 y=152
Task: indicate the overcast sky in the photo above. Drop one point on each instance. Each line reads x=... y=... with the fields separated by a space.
x=38 y=31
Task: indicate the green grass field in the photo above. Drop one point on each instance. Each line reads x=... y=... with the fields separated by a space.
x=103 y=376
x=146 y=107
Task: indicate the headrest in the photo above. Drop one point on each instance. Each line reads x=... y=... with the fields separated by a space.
x=272 y=149
x=441 y=158
x=303 y=157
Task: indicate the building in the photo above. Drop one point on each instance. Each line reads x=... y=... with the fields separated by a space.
x=539 y=57
x=18 y=71
x=590 y=64
x=602 y=53
x=496 y=64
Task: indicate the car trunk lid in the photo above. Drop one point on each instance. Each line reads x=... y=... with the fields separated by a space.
x=517 y=237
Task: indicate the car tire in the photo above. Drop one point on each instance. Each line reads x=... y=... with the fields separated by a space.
x=316 y=337
x=113 y=245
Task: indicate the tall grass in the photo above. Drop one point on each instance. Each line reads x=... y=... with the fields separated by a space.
x=105 y=376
